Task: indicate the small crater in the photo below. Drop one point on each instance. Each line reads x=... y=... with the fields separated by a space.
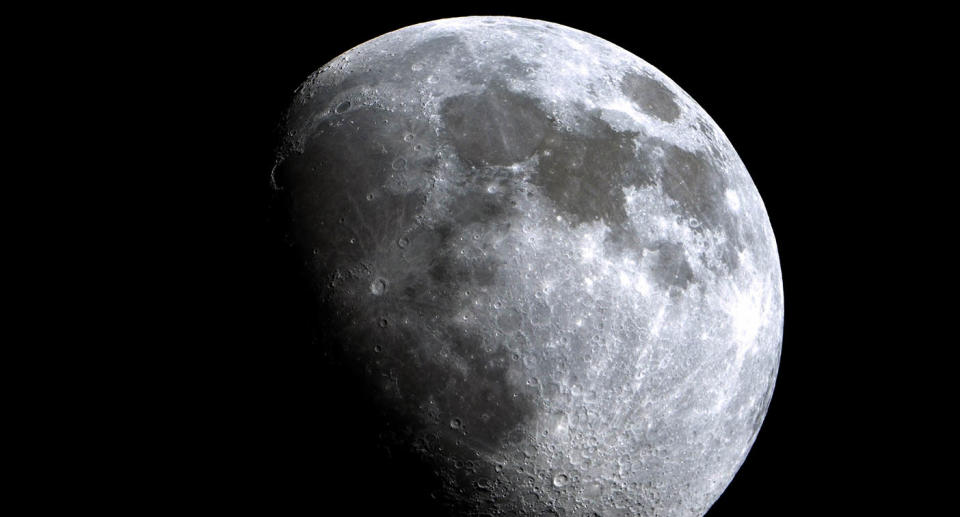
x=403 y=242
x=342 y=107
x=399 y=164
x=378 y=287
x=560 y=480
x=456 y=424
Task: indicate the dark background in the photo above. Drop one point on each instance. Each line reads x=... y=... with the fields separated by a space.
x=259 y=426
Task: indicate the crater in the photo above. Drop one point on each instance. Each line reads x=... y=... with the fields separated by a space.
x=650 y=96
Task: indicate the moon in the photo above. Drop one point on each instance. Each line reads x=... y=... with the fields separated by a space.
x=541 y=261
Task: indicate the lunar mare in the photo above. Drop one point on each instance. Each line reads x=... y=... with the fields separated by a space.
x=543 y=260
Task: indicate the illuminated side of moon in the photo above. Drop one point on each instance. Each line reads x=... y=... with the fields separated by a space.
x=543 y=260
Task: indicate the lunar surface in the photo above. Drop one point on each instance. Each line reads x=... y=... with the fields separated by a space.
x=543 y=262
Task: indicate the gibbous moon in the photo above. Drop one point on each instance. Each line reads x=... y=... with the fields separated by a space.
x=544 y=263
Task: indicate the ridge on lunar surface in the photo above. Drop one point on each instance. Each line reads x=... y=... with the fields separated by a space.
x=543 y=260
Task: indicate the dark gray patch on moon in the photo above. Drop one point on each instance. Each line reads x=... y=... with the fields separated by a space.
x=698 y=188
x=670 y=266
x=494 y=127
x=583 y=174
x=650 y=96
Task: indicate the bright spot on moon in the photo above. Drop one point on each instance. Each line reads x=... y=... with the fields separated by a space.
x=733 y=200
